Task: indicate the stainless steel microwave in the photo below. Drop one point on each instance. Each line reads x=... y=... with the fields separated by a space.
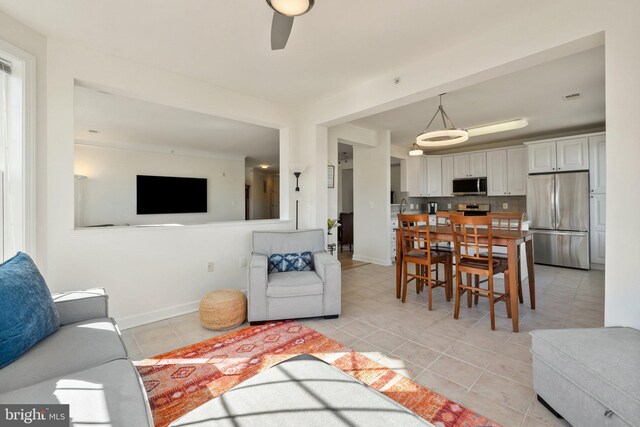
x=470 y=186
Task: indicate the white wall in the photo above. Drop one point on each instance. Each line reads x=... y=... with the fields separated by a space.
x=149 y=273
x=371 y=205
x=109 y=192
x=541 y=35
x=88 y=258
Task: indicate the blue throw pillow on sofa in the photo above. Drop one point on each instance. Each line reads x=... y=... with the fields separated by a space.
x=27 y=311
x=291 y=262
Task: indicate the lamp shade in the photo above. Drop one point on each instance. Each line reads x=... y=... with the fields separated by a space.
x=291 y=7
x=416 y=152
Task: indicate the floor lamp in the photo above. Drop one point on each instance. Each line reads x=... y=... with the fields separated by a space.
x=297 y=170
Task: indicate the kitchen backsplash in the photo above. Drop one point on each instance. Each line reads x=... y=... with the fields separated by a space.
x=515 y=203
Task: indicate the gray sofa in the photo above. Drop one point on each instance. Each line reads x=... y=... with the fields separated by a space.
x=293 y=294
x=591 y=377
x=83 y=364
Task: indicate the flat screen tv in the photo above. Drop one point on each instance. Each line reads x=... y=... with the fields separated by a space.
x=170 y=195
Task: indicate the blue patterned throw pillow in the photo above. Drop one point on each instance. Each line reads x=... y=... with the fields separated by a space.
x=291 y=262
x=27 y=311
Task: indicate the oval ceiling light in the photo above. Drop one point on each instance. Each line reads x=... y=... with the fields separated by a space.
x=264 y=166
x=450 y=135
x=498 y=127
x=416 y=151
x=291 y=7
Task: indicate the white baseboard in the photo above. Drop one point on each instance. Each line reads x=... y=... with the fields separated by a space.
x=156 y=315
x=384 y=262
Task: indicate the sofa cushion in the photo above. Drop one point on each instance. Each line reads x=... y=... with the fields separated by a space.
x=72 y=348
x=27 y=312
x=302 y=391
x=291 y=262
x=107 y=395
x=294 y=283
x=603 y=362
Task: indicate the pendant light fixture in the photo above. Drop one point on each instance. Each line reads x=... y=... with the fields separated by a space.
x=449 y=135
x=416 y=151
x=291 y=7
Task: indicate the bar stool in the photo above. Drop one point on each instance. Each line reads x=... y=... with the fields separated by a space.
x=471 y=238
x=416 y=249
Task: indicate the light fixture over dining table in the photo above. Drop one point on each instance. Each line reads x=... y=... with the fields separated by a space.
x=448 y=135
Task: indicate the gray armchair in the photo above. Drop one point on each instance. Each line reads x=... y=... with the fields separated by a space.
x=292 y=294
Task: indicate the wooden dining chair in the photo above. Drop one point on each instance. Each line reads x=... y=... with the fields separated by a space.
x=443 y=218
x=416 y=250
x=471 y=239
x=507 y=221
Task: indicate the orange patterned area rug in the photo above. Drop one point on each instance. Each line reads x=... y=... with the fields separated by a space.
x=180 y=381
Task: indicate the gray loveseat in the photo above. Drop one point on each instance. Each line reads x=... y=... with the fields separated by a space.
x=292 y=294
x=83 y=364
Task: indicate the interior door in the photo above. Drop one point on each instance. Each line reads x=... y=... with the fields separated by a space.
x=540 y=201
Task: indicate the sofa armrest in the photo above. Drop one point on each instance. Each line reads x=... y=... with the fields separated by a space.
x=257 y=288
x=78 y=306
x=328 y=268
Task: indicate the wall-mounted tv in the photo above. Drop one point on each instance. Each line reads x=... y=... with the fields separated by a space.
x=170 y=195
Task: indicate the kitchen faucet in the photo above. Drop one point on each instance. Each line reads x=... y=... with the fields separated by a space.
x=402 y=205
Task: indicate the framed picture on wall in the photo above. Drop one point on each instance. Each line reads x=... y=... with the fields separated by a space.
x=331 y=172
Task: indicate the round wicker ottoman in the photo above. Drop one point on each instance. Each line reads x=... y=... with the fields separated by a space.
x=223 y=309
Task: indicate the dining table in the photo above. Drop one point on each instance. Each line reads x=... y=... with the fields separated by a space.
x=510 y=239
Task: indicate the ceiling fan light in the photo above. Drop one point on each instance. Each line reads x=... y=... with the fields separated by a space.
x=291 y=7
x=441 y=138
x=416 y=152
x=498 y=127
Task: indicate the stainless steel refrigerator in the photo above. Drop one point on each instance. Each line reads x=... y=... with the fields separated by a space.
x=558 y=208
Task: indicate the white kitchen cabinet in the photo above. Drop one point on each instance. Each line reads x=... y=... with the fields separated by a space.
x=497 y=177
x=567 y=154
x=470 y=165
x=478 y=164
x=517 y=171
x=598 y=221
x=447 y=176
x=461 y=166
x=434 y=175
x=597 y=163
x=572 y=154
x=542 y=157
x=416 y=176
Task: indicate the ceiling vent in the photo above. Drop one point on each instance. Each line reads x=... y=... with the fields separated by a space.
x=572 y=96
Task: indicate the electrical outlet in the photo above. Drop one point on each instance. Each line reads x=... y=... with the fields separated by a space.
x=210 y=267
x=505 y=206
x=448 y=205
x=242 y=261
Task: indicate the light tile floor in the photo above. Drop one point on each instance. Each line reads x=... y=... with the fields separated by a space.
x=487 y=371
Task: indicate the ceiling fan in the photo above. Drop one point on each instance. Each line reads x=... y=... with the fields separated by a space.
x=284 y=12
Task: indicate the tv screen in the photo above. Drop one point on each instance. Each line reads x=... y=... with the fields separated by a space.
x=169 y=194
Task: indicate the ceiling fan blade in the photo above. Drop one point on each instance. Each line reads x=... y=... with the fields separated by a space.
x=280 y=30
